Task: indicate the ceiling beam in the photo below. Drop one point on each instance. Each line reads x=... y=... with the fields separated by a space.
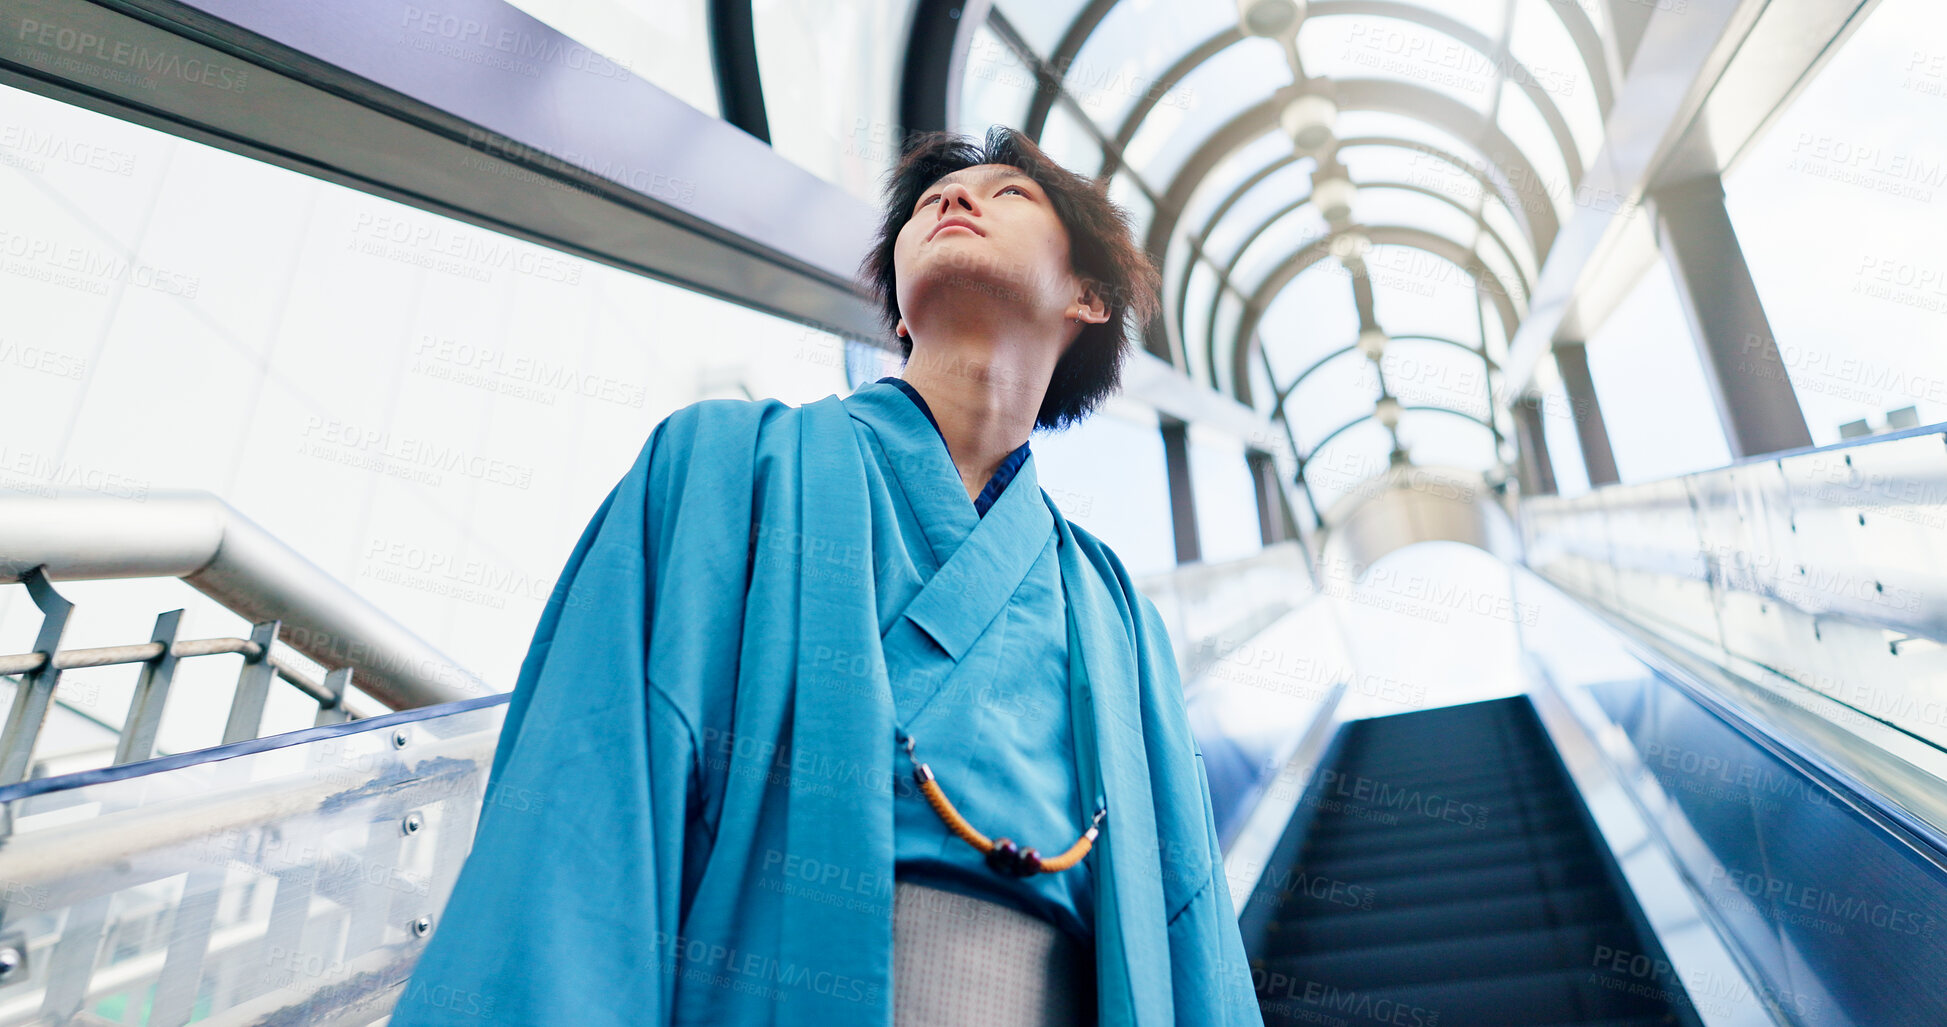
x=1706 y=80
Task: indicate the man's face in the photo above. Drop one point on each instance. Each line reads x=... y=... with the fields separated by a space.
x=987 y=233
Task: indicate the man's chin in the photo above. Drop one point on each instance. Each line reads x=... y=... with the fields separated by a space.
x=984 y=280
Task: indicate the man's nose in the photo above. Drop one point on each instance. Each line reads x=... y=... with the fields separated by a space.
x=957 y=195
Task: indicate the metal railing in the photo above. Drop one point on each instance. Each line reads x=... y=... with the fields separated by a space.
x=1211 y=608
x=199 y=538
x=298 y=610
x=290 y=879
x=1808 y=589
x=41 y=669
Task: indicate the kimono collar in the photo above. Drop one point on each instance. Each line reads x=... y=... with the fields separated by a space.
x=1002 y=474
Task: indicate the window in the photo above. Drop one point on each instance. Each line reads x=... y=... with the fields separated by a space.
x=1857 y=308
x=387 y=390
x=829 y=85
x=1226 y=498
x=667 y=43
x=1108 y=474
x=1661 y=417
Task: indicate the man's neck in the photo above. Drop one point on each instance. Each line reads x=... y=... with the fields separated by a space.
x=985 y=400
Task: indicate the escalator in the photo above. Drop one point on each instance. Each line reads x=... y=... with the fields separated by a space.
x=1446 y=875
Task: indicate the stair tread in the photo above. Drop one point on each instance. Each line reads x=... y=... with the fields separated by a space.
x=1364 y=866
x=1468 y=822
x=1513 y=1000
x=1419 y=839
x=1380 y=967
x=1369 y=928
x=1308 y=891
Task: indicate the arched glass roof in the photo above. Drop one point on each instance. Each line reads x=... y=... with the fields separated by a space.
x=1350 y=199
x=1326 y=185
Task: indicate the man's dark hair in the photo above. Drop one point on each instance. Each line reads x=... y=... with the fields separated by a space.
x=1102 y=251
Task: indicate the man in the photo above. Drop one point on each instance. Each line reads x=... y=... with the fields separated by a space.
x=833 y=717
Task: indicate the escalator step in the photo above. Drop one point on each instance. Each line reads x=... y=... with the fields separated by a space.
x=1519 y=1000
x=1478 y=771
x=1367 y=867
x=1310 y=894
x=1455 y=756
x=1352 y=782
x=1432 y=803
x=1497 y=777
x=1358 y=928
x=1433 y=836
x=1447 y=959
x=1439 y=823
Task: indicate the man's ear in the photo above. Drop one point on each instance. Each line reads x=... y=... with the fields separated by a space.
x=1090 y=307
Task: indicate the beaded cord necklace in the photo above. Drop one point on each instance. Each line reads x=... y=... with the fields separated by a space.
x=1003 y=855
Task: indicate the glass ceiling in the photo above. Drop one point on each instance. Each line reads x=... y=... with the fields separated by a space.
x=1351 y=213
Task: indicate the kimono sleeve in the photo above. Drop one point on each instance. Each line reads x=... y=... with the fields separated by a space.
x=1210 y=974
x=568 y=902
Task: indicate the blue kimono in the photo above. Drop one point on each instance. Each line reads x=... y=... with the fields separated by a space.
x=994 y=723
x=707 y=713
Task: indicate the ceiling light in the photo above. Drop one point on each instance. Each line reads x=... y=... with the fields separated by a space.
x=1270 y=18
x=1333 y=197
x=1350 y=246
x=1372 y=343
x=1308 y=120
x=1387 y=411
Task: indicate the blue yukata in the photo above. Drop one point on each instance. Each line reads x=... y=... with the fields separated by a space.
x=707 y=719
x=1002 y=715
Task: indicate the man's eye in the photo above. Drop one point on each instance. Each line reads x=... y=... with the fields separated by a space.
x=1017 y=189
